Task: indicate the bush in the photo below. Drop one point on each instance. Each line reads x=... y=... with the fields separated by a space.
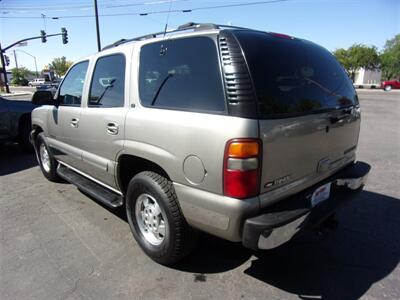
x=20 y=76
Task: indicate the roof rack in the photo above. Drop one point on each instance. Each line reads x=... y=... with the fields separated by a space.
x=183 y=27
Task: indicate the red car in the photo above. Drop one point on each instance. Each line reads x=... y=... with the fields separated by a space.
x=391 y=84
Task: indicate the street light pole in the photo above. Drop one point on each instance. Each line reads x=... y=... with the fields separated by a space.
x=97 y=25
x=15 y=58
x=37 y=75
x=34 y=57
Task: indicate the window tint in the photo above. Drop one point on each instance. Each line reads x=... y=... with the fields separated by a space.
x=72 y=85
x=293 y=76
x=182 y=74
x=108 y=82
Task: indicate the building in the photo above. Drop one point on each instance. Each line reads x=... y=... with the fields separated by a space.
x=365 y=78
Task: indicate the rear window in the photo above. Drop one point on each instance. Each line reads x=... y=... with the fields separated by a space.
x=181 y=74
x=294 y=77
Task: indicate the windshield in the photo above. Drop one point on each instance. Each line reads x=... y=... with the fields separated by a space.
x=293 y=76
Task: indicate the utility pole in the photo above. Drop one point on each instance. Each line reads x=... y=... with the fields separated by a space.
x=97 y=26
x=15 y=58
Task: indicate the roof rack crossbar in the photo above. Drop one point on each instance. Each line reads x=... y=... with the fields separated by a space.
x=183 y=27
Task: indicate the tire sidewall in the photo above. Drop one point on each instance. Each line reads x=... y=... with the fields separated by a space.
x=52 y=174
x=144 y=184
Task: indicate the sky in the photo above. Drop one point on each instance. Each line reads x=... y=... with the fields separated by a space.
x=330 y=23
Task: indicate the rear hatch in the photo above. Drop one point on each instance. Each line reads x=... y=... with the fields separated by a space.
x=307 y=107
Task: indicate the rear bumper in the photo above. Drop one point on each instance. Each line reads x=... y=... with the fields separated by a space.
x=293 y=216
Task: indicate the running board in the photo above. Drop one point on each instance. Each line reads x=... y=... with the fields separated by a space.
x=91 y=188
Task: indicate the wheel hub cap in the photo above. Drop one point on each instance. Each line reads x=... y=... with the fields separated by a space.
x=150 y=219
x=44 y=158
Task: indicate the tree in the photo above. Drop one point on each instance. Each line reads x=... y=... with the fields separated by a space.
x=342 y=55
x=390 y=58
x=20 y=76
x=356 y=57
x=60 y=65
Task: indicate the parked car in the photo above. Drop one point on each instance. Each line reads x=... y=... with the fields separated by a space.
x=15 y=121
x=391 y=84
x=52 y=87
x=247 y=135
x=37 y=81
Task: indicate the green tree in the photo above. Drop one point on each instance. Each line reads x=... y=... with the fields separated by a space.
x=356 y=57
x=20 y=76
x=390 y=58
x=60 y=65
x=342 y=55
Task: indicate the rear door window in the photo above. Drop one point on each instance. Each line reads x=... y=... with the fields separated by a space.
x=294 y=77
x=108 y=83
x=181 y=74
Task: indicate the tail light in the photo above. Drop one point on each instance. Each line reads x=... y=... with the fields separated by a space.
x=242 y=165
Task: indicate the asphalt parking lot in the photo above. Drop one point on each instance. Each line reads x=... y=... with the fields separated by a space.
x=57 y=243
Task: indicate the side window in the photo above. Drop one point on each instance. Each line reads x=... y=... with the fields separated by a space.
x=108 y=82
x=181 y=74
x=72 y=85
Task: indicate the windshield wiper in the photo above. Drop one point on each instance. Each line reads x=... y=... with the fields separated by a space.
x=170 y=74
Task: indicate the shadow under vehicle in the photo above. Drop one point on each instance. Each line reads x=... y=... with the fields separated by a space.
x=324 y=264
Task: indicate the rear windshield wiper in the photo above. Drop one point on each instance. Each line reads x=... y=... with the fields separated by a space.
x=110 y=85
x=170 y=74
x=325 y=89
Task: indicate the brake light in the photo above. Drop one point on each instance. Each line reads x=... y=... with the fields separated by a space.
x=242 y=165
x=281 y=35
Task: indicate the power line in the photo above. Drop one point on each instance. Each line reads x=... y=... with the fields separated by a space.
x=71 y=6
x=145 y=3
x=186 y=10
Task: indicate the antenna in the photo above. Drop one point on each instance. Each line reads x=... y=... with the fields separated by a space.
x=164 y=49
x=166 y=22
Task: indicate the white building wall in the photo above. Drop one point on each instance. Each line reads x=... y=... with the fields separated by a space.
x=364 y=76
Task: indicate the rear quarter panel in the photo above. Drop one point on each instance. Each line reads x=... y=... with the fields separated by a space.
x=12 y=112
x=169 y=137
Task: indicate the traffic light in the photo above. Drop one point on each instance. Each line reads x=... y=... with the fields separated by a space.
x=64 y=34
x=43 y=35
x=7 y=60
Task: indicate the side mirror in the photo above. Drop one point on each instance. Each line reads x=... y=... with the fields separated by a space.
x=43 y=98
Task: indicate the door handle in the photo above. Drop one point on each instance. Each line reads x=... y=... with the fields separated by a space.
x=112 y=128
x=74 y=122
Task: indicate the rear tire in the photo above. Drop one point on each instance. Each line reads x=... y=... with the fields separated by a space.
x=24 y=129
x=156 y=220
x=46 y=161
x=388 y=88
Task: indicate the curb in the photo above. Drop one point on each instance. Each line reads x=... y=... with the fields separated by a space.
x=378 y=91
x=15 y=94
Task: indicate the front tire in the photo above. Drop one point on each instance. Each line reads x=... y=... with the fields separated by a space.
x=156 y=220
x=46 y=161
